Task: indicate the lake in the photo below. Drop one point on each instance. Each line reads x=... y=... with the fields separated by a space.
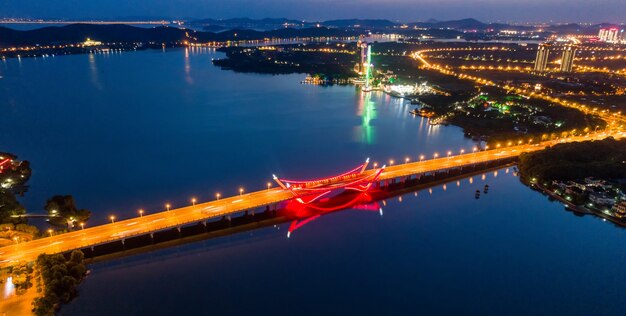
x=123 y=131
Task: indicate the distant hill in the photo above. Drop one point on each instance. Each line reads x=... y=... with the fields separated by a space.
x=246 y=23
x=464 y=24
x=75 y=33
x=369 y=23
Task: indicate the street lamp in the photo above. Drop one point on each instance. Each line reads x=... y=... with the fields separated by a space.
x=406 y=160
x=217 y=196
x=112 y=218
x=167 y=207
x=50 y=232
x=240 y=191
x=82 y=225
x=421 y=157
x=193 y=201
x=391 y=162
x=436 y=155
x=462 y=151
x=449 y=154
x=141 y=213
x=375 y=165
x=269 y=185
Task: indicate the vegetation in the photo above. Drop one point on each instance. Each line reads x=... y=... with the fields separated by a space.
x=289 y=59
x=601 y=159
x=63 y=211
x=21 y=274
x=58 y=279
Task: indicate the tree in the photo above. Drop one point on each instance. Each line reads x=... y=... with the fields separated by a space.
x=63 y=211
x=9 y=206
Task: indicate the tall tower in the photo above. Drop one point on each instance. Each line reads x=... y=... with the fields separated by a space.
x=543 y=52
x=363 y=46
x=368 y=68
x=567 y=62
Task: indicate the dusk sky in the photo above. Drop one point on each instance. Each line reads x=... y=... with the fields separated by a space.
x=402 y=10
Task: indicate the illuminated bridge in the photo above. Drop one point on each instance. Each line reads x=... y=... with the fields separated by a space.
x=358 y=179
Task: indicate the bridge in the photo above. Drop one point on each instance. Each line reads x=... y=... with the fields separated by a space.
x=358 y=179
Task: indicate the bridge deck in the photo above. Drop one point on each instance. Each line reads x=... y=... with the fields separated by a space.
x=193 y=214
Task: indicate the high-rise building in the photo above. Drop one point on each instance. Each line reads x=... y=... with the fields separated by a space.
x=611 y=35
x=362 y=46
x=567 y=62
x=543 y=52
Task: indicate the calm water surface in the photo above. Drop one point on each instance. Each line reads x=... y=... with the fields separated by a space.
x=137 y=130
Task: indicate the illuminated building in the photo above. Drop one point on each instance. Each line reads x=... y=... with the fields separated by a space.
x=567 y=62
x=543 y=52
x=90 y=42
x=611 y=35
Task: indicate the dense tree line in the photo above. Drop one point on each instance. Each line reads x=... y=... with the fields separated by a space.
x=601 y=159
x=58 y=278
x=63 y=211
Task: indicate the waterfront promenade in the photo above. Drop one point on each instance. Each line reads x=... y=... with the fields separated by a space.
x=225 y=207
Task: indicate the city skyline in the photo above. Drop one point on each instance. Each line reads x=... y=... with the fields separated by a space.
x=398 y=10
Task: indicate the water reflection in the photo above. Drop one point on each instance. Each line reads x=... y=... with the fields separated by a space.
x=367 y=111
x=188 y=78
x=93 y=68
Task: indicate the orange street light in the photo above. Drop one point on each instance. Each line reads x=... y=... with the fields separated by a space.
x=240 y=191
x=193 y=201
x=217 y=196
x=167 y=206
x=141 y=213
x=436 y=155
x=82 y=225
x=50 y=232
x=406 y=160
x=421 y=157
x=269 y=185
x=112 y=218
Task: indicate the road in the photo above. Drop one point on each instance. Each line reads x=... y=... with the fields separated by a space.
x=146 y=224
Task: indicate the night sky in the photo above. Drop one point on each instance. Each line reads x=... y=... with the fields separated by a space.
x=401 y=10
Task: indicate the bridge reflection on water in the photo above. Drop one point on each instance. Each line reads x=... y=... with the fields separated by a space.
x=290 y=212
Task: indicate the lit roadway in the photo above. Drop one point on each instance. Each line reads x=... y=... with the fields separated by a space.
x=613 y=120
x=119 y=230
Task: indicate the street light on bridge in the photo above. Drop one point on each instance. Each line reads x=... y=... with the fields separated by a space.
x=240 y=191
x=167 y=207
x=217 y=196
x=421 y=157
x=193 y=201
x=406 y=160
x=82 y=225
x=269 y=185
x=141 y=213
x=112 y=218
x=50 y=232
x=436 y=155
